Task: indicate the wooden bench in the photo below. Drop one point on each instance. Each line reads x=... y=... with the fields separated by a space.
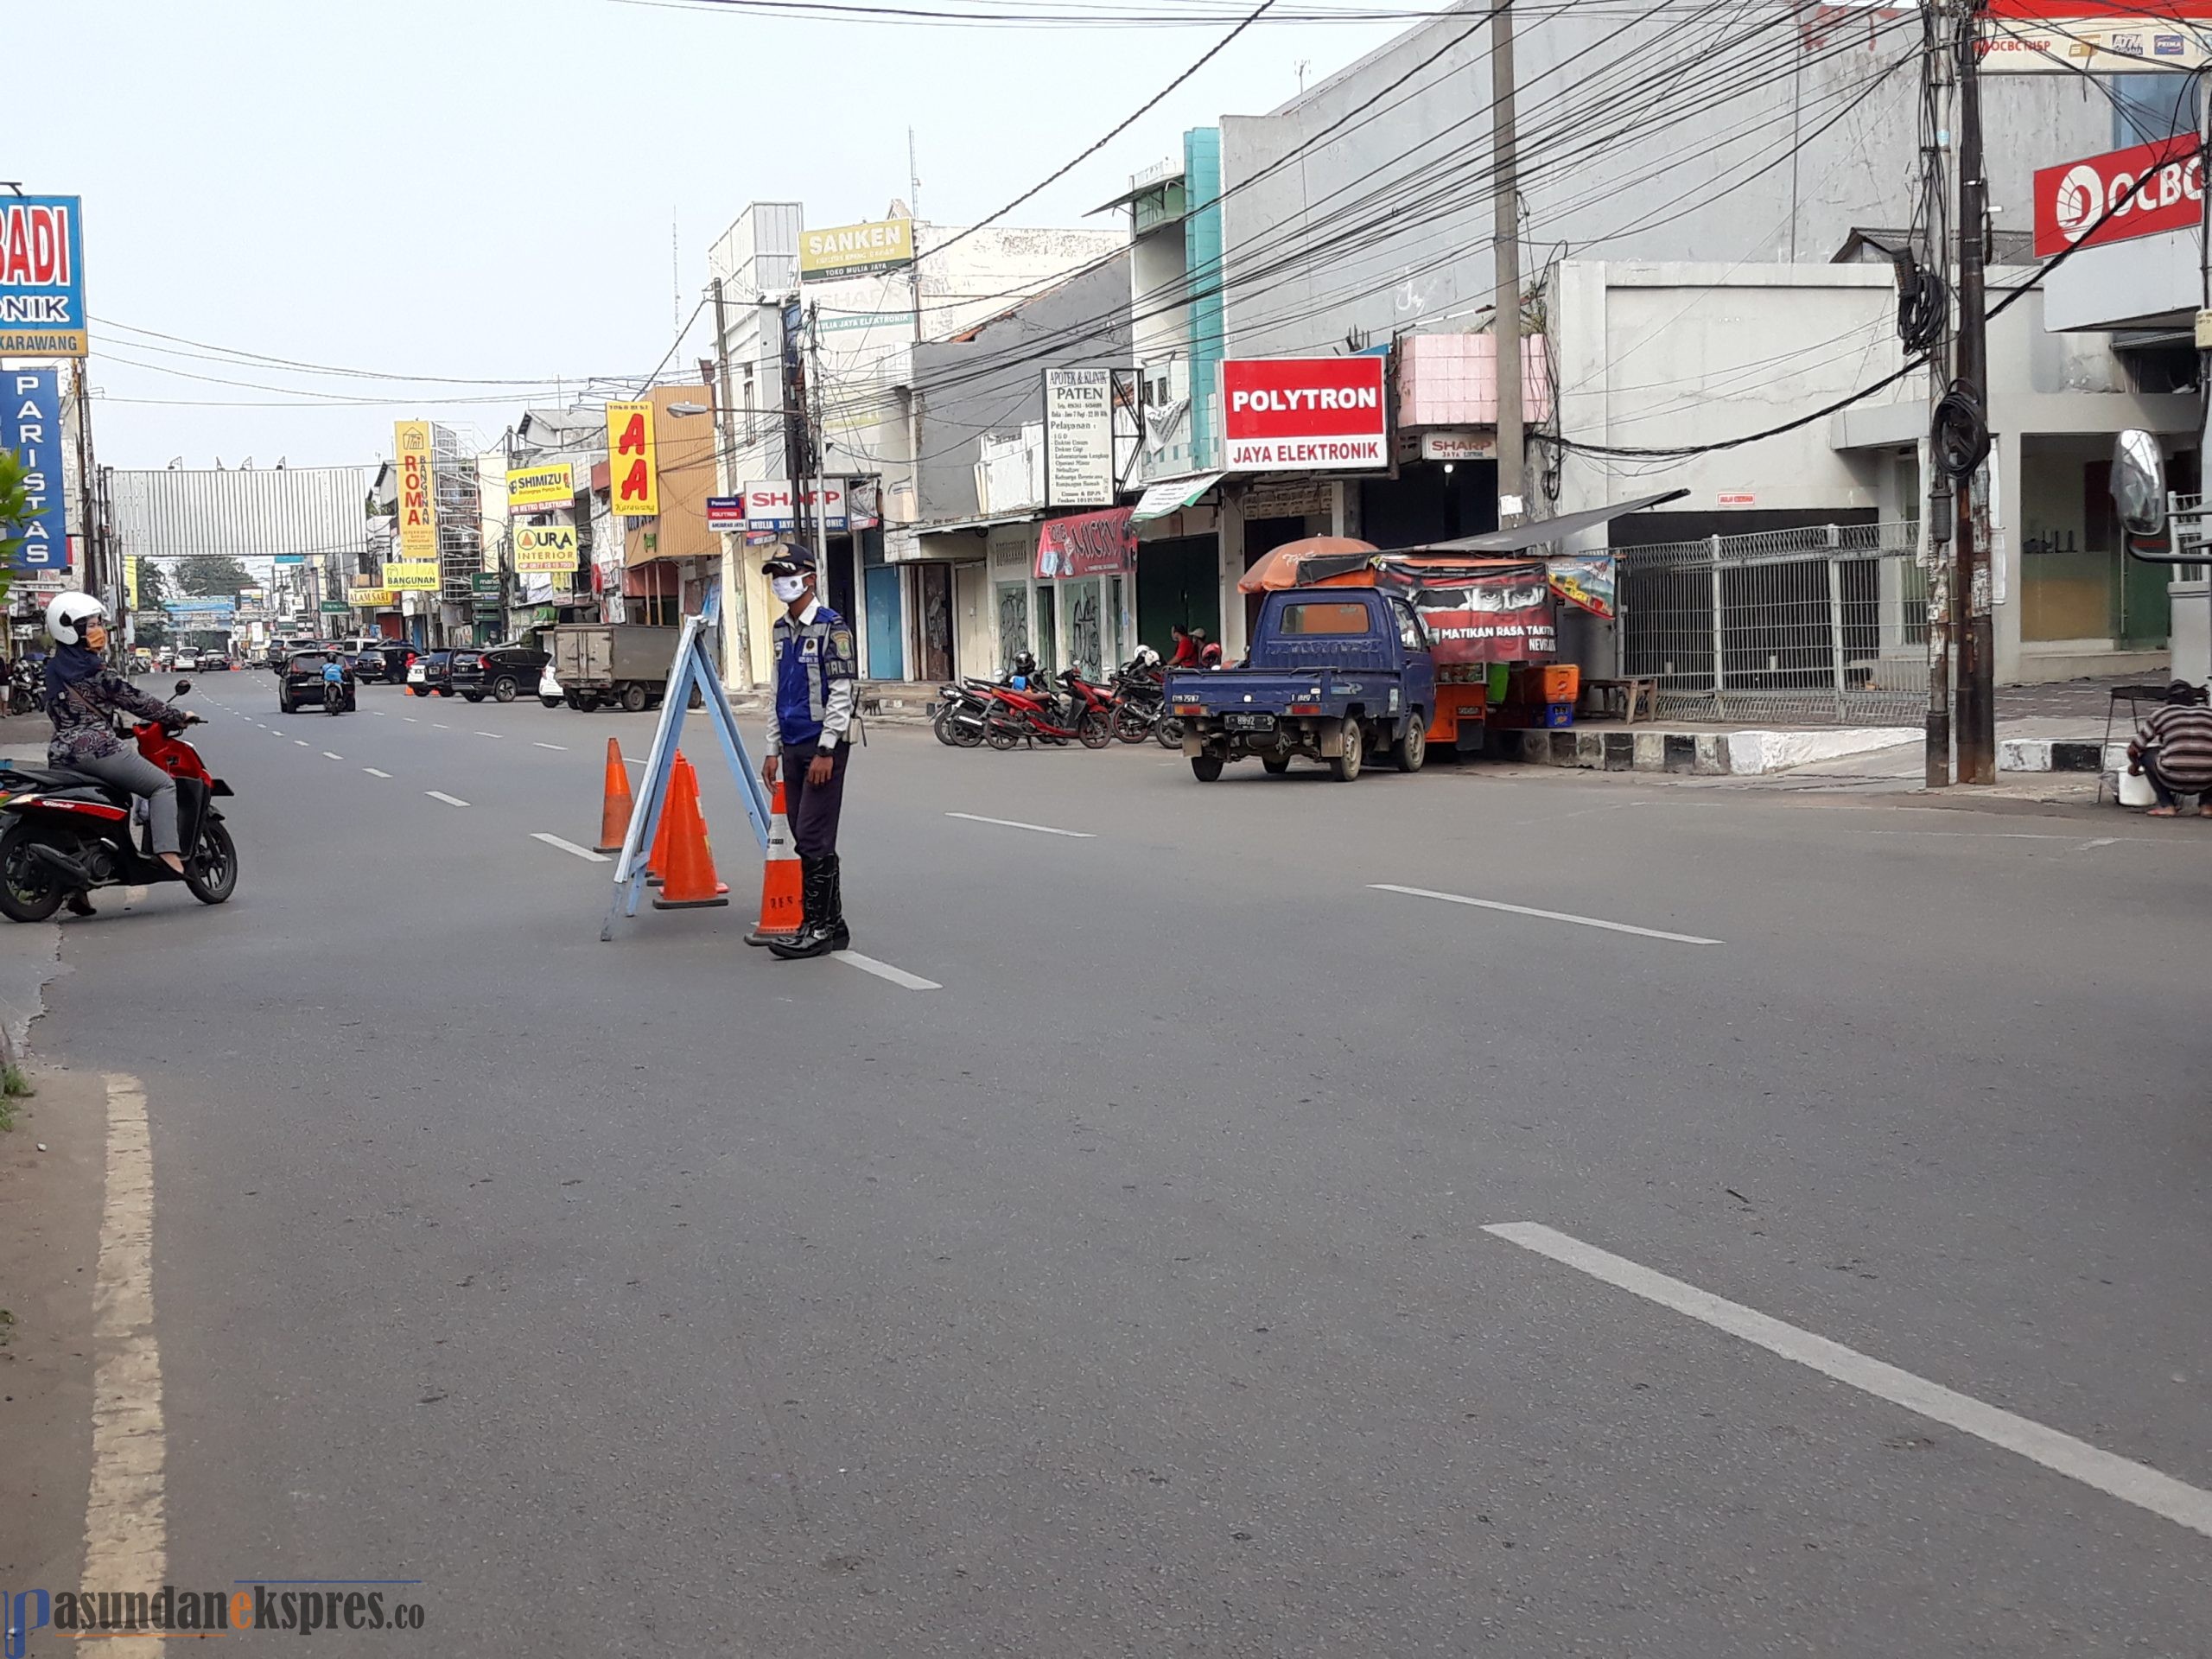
x=1605 y=693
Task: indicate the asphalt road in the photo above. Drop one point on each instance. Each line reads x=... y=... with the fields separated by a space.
x=1131 y=1292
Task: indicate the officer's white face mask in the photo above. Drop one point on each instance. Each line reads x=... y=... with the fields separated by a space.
x=788 y=589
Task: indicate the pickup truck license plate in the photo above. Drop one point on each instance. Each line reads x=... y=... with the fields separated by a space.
x=1250 y=723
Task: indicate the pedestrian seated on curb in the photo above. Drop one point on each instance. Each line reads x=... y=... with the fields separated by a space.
x=2174 y=750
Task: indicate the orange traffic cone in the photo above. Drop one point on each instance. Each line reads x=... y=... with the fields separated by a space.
x=615 y=812
x=688 y=877
x=665 y=837
x=781 y=880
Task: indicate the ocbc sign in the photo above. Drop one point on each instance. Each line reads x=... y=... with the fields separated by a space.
x=2124 y=194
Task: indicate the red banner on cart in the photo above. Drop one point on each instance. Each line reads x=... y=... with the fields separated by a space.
x=1488 y=616
x=1087 y=544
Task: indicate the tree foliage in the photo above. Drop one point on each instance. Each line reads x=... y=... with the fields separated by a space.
x=212 y=575
x=15 y=507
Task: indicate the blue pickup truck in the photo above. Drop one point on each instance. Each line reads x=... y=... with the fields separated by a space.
x=1336 y=674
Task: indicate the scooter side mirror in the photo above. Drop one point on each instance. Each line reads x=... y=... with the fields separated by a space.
x=182 y=686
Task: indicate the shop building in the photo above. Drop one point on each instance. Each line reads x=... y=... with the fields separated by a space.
x=1011 y=435
x=818 y=330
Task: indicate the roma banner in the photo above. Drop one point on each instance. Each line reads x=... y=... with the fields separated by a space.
x=1493 y=614
x=418 y=509
x=630 y=461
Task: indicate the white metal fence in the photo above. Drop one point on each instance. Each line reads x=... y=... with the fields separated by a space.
x=1826 y=623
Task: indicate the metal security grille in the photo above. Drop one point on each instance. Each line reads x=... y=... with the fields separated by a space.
x=1828 y=623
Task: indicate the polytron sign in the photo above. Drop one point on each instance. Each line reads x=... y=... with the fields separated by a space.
x=42 y=276
x=1304 y=414
x=2145 y=189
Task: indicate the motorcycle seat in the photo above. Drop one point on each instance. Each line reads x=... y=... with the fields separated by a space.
x=55 y=778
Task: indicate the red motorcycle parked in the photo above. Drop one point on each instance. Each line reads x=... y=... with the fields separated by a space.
x=63 y=832
x=1015 y=716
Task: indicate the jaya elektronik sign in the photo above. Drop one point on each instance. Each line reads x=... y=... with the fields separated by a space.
x=1304 y=414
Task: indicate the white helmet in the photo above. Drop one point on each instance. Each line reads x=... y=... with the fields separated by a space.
x=67 y=615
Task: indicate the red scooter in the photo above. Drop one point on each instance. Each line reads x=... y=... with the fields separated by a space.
x=1015 y=716
x=64 y=833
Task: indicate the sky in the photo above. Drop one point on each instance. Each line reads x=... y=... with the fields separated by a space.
x=485 y=190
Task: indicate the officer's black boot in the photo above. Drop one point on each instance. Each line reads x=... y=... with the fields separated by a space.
x=815 y=900
x=833 y=919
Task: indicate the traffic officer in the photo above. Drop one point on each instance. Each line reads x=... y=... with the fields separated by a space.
x=817 y=682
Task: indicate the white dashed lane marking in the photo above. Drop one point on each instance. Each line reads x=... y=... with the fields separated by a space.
x=884 y=970
x=570 y=847
x=562 y=746
x=328 y=755
x=374 y=773
x=2108 y=1472
x=440 y=795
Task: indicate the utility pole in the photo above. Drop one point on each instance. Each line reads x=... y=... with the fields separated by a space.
x=1938 y=511
x=737 y=635
x=1505 y=328
x=1976 y=719
x=90 y=572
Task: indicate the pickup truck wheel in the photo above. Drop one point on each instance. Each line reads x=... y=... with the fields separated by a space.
x=633 y=698
x=1206 y=767
x=1345 y=767
x=1412 y=747
x=1275 y=765
x=551 y=702
x=586 y=702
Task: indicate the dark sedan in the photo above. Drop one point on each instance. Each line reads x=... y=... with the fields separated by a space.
x=302 y=682
x=500 y=672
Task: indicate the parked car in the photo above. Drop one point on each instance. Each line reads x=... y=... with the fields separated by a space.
x=431 y=672
x=387 y=660
x=302 y=682
x=500 y=672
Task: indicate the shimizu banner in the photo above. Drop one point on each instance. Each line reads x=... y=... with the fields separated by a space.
x=630 y=461
x=532 y=489
x=545 y=549
x=412 y=576
x=418 y=509
x=855 y=250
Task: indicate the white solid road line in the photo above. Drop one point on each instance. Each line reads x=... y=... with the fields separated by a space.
x=570 y=847
x=126 y=1526
x=1016 y=824
x=562 y=746
x=2117 y=1476
x=1543 y=915
x=374 y=773
x=440 y=795
x=885 y=970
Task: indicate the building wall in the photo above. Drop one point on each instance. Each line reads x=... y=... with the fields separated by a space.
x=1626 y=155
x=992 y=379
x=1667 y=355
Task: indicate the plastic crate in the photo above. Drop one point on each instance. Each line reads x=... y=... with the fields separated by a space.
x=1555 y=714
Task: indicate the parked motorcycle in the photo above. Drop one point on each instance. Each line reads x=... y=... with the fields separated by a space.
x=1016 y=716
x=64 y=832
x=961 y=712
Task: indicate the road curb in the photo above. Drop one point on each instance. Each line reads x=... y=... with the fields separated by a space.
x=1707 y=754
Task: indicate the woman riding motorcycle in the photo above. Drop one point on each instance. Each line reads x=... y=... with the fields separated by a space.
x=83 y=695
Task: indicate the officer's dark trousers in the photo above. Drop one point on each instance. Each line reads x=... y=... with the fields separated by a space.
x=814 y=807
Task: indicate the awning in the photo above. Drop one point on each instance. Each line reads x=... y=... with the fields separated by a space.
x=1174 y=495
x=1520 y=537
